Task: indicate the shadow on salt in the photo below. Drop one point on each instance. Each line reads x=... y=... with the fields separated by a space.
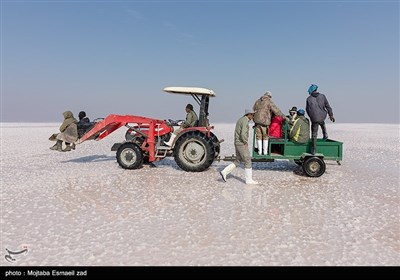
x=93 y=158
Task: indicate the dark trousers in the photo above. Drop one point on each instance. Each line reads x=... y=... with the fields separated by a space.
x=314 y=129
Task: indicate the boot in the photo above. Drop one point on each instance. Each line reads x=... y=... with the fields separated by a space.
x=73 y=146
x=265 y=147
x=259 y=145
x=171 y=140
x=227 y=170
x=324 y=132
x=67 y=148
x=57 y=146
x=248 y=173
x=313 y=146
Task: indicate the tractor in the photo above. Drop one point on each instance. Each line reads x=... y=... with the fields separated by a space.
x=194 y=149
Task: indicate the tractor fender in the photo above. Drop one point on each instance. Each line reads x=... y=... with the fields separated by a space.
x=189 y=130
x=305 y=156
x=213 y=137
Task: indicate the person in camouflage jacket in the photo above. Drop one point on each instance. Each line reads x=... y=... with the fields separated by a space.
x=264 y=108
x=68 y=133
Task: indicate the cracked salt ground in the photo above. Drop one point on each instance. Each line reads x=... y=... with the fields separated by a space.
x=81 y=208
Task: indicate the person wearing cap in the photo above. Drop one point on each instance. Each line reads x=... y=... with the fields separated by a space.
x=82 y=117
x=241 y=137
x=191 y=120
x=300 y=131
x=292 y=116
x=84 y=125
x=264 y=108
x=317 y=107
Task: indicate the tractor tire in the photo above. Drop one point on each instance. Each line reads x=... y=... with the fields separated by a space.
x=314 y=166
x=137 y=140
x=194 y=152
x=129 y=156
x=217 y=146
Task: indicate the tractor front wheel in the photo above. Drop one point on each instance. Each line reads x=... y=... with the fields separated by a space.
x=194 y=151
x=129 y=156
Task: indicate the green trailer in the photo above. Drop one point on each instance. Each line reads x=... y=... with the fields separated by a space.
x=283 y=148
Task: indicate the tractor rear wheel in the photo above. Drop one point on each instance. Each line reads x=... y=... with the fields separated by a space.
x=129 y=156
x=217 y=146
x=194 y=151
x=314 y=166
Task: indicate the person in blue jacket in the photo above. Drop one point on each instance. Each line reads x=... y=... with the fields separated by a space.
x=317 y=107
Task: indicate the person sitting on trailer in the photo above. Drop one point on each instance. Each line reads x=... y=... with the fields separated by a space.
x=291 y=117
x=275 y=129
x=191 y=121
x=300 y=131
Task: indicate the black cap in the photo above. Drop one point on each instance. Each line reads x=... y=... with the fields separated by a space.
x=81 y=114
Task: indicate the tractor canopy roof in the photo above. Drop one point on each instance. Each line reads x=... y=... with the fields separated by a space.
x=190 y=91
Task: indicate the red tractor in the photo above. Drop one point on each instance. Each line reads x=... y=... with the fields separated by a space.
x=194 y=148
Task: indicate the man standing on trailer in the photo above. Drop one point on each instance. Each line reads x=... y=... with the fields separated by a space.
x=317 y=107
x=263 y=108
x=242 y=149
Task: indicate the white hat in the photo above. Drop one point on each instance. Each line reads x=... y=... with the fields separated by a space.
x=268 y=93
x=248 y=111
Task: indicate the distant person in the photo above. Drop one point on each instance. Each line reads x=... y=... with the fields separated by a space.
x=191 y=121
x=263 y=108
x=242 y=149
x=275 y=129
x=291 y=117
x=300 y=131
x=84 y=125
x=68 y=133
x=82 y=117
x=317 y=107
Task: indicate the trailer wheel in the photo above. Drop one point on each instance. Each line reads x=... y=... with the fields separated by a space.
x=129 y=156
x=194 y=152
x=314 y=166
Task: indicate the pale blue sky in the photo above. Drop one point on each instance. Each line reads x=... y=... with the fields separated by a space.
x=116 y=57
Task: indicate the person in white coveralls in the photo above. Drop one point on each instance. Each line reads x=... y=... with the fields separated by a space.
x=242 y=149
